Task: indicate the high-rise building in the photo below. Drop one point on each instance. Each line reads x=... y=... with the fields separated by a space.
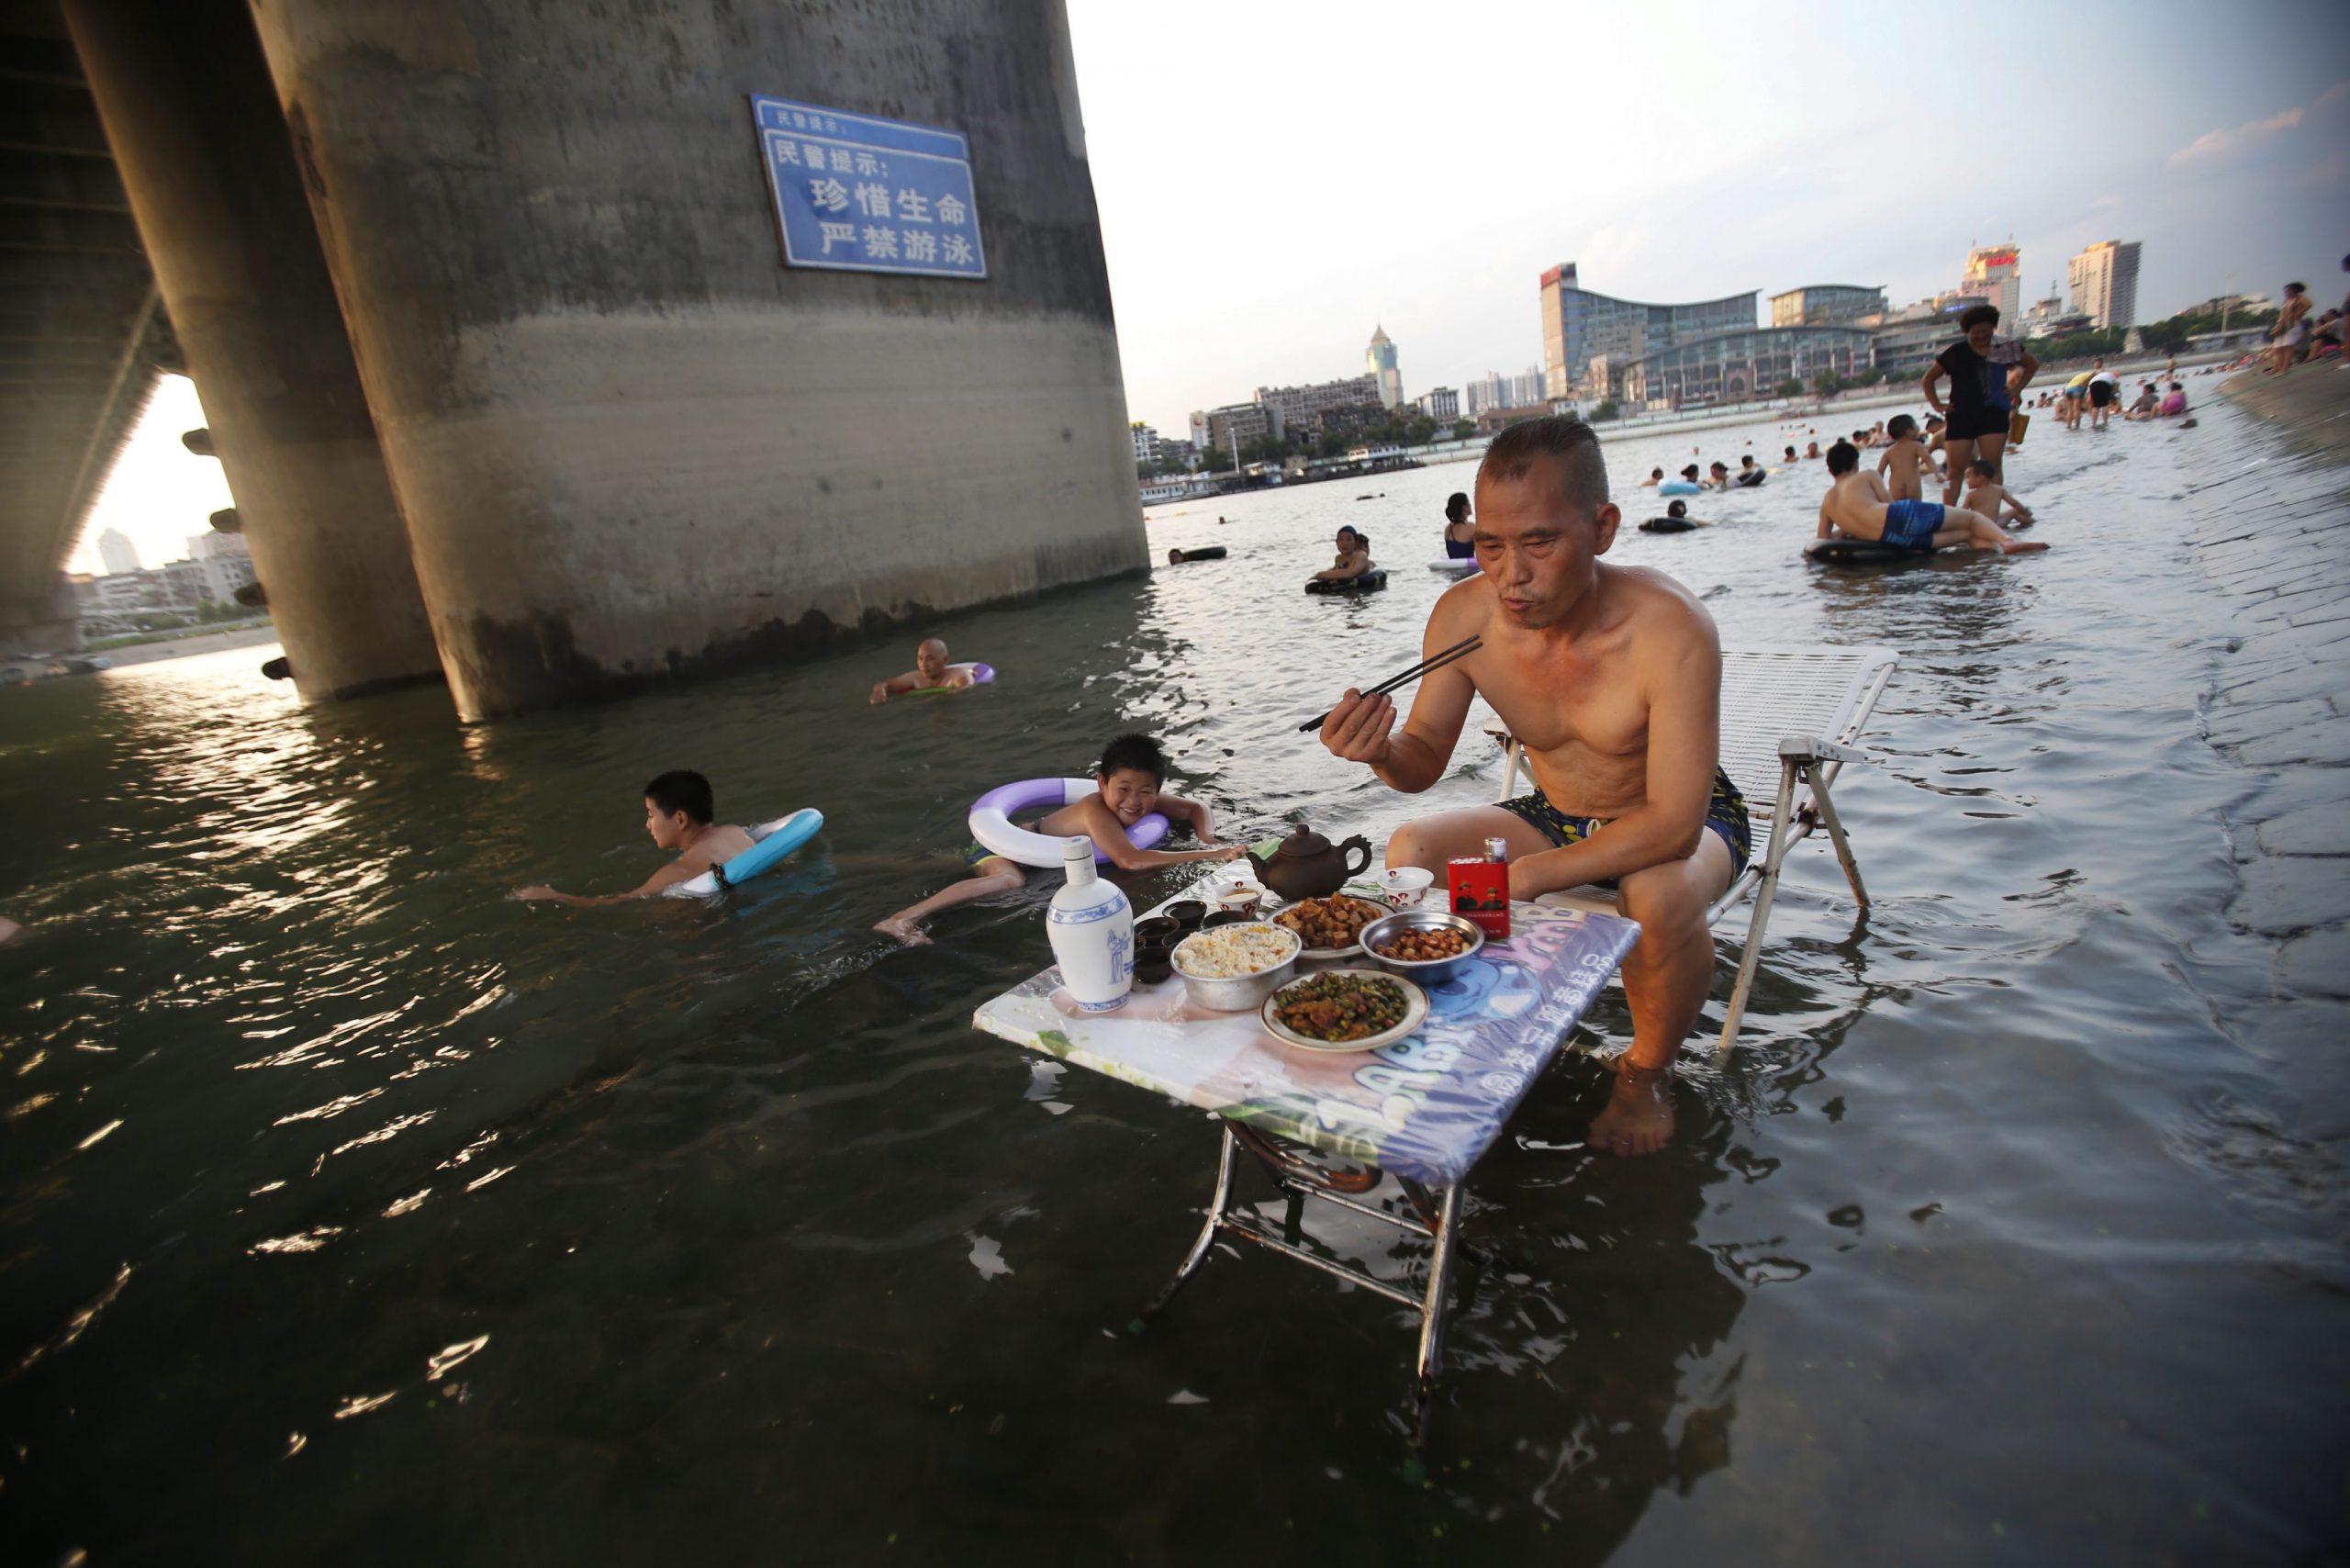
x=1380 y=358
x=1440 y=403
x=1826 y=305
x=1234 y=426
x=2104 y=279
x=1579 y=327
x=1993 y=273
x=1302 y=408
x=118 y=553
x=1145 y=441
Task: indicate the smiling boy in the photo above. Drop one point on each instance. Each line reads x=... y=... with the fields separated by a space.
x=1129 y=786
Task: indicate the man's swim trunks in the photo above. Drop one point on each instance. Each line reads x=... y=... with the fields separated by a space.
x=1911 y=525
x=976 y=855
x=1725 y=813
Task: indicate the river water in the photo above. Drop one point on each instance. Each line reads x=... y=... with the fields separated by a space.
x=349 y=1210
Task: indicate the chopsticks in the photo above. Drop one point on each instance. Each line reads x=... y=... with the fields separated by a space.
x=1460 y=650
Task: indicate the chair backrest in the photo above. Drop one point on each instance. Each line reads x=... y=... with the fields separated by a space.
x=1771 y=693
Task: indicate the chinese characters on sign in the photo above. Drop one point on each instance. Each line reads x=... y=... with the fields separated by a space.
x=857 y=193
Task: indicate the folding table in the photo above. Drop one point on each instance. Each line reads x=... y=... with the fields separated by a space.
x=1425 y=1109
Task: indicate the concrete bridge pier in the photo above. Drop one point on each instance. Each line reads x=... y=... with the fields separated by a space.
x=188 y=107
x=628 y=441
x=40 y=623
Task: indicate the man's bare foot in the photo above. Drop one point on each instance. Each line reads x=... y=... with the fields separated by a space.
x=1639 y=1118
x=2022 y=546
x=907 y=932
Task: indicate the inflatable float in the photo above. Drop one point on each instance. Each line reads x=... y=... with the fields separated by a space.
x=1456 y=565
x=1369 y=581
x=1677 y=487
x=1205 y=553
x=1668 y=525
x=1860 y=552
x=980 y=675
x=772 y=842
x=992 y=813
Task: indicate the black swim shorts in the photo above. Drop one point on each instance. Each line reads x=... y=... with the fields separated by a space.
x=1973 y=424
x=1725 y=814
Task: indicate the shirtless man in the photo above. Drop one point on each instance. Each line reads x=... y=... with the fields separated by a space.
x=931 y=670
x=1611 y=678
x=1986 y=496
x=1856 y=507
x=1909 y=464
x=678 y=812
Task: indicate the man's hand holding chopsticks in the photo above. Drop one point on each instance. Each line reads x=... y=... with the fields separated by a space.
x=1356 y=730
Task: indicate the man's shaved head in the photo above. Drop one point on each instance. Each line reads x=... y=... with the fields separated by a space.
x=1569 y=442
x=934 y=646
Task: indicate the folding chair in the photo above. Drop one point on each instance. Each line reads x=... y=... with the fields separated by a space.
x=1789 y=717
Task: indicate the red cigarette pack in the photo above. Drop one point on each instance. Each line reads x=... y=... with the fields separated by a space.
x=1480 y=892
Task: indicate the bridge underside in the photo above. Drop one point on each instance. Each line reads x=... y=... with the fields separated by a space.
x=82 y=335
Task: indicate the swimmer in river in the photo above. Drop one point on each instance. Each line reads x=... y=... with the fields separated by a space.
x=1676 y=519
x=1460 y=533
x=1986 y=496
x=1717 y=479
x=678 y=812
x=1750 y=473
x=1656 y=477
x=1354 y=558
x=1812 y=451
x=1908 y=462
x=1611 y=676
x=1693 y=474
x=931 y=671
x=1856 y=507
x=1791 y=455
x=1128 y=789
x=1986 y=374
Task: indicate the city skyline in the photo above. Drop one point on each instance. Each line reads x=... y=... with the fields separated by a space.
x=2235 y=169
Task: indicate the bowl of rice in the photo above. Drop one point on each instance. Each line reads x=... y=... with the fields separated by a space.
x=1232 y=969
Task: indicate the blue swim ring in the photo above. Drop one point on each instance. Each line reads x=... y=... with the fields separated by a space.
x=772 y=844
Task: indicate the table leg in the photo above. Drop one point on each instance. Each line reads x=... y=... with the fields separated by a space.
x=1207 y=1233
x=1432 y=1313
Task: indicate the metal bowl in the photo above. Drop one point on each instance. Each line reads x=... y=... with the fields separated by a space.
x=1242 y=993
x=1432 y=970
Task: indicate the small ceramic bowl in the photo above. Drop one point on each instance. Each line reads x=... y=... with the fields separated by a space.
x=1153 y=964
x=1159 y=930
x=1186 y=912
x=1403 y=886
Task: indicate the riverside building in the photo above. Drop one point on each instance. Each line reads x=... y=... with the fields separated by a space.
x=1737 y=367
x=1579 y=326
x=2103 y=281
x=1826 y=305
x=1381 y=356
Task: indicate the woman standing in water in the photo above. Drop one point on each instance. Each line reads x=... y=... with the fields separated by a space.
x=1459 y=536
x=1985 y=375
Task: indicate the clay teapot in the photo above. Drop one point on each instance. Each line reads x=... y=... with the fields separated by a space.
x=1308 y=866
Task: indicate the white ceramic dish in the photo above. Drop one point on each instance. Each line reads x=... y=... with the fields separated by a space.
x=1415 y=1012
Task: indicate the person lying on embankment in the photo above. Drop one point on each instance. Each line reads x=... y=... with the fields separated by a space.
x=1856 y=507
x=678 y=807
x=931 y=671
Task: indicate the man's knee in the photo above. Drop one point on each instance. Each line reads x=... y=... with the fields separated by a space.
x=1666 y=902
x=1005 y=877
x=1409 y=845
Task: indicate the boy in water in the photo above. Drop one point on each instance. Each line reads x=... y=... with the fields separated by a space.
x=1354 y=558
x=1911 y=466
x=1986 y=496
x=931 y=670
x=1656 y=477
x=678 y=812
x=1856 y=507
x=1127 y=790
x=1750 y=473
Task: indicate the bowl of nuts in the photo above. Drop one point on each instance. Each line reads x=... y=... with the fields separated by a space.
x=1423 y=945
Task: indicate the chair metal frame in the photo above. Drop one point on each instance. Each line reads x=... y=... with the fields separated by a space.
x=1806 y=762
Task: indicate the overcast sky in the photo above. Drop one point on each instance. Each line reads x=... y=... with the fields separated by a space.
x=1276 y=179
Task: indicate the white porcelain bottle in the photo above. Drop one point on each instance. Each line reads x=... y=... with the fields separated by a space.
x=1092 y=931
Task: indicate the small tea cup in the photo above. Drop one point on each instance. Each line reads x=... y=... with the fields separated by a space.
x=1402 y=886
x=1159 y=930
x=1187 y=913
